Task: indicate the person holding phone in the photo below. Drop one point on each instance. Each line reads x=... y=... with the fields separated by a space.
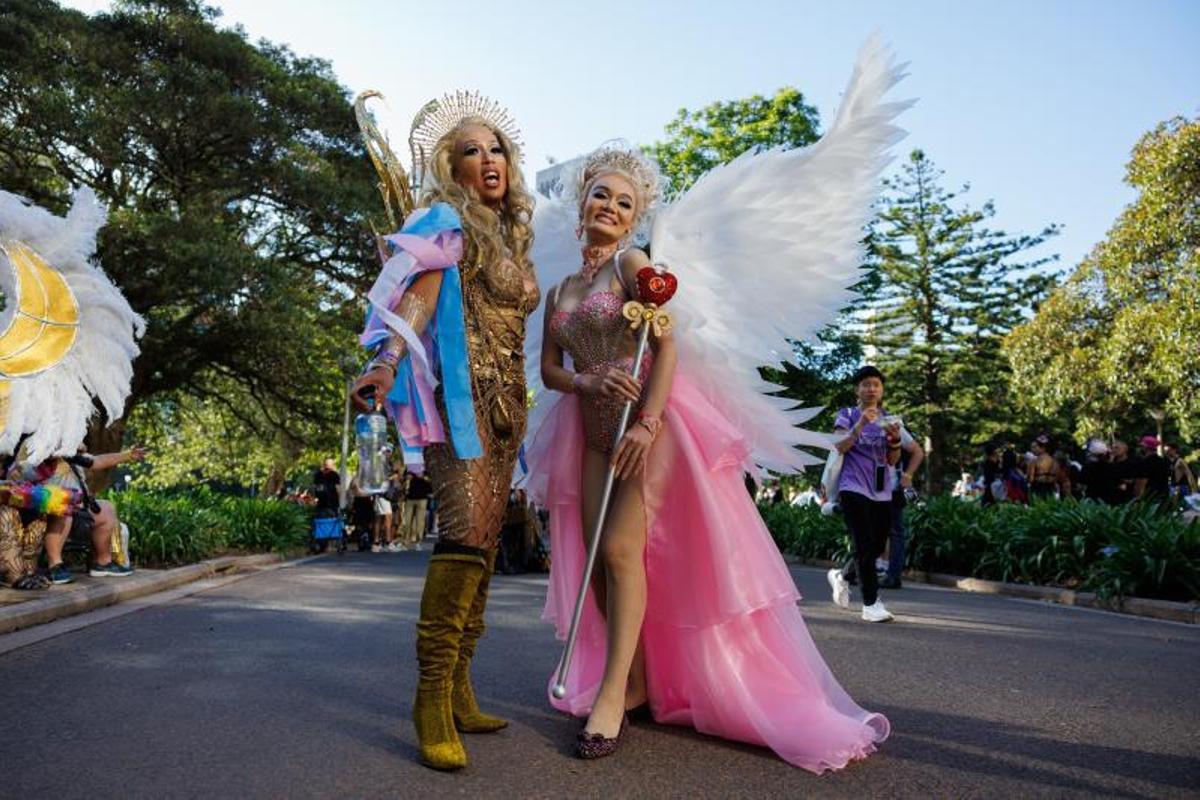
x=870 y=442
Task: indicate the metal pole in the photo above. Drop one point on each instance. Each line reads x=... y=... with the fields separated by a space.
x=343 y=475
x=560 y=685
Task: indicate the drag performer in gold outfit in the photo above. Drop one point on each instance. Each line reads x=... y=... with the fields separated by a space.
x=449 y=311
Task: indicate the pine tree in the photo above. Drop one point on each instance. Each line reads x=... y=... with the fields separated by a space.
x=948 y=290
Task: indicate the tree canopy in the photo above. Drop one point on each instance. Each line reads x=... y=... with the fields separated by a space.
x=699 y=140
x=1121 y=336
x=237 y=189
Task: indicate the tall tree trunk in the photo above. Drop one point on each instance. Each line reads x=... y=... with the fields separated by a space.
x=103 y=439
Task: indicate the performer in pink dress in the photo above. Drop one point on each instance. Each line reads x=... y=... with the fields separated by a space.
x=693 y=609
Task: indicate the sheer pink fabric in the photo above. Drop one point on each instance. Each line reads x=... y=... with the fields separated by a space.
x=727 y=651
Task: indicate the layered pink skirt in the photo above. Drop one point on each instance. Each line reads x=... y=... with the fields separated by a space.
x=726 y=649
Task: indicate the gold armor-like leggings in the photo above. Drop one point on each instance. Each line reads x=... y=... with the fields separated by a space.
x=472 y=494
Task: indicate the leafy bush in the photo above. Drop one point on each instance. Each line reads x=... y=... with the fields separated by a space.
x=805 y=532
x=1130 y=550
x=184 y=527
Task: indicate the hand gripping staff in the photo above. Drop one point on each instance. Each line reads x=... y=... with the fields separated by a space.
x=655 y=288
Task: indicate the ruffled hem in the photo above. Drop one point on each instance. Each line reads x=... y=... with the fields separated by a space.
x=727 y=650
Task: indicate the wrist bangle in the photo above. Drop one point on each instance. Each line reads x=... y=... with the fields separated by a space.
x=576 y=382
x=651 y=423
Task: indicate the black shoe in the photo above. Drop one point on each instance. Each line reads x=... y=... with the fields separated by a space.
x=640 y=713
x=888 y=582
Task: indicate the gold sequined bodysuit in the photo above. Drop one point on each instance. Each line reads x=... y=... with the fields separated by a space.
x=472 y=495
x=596 y=336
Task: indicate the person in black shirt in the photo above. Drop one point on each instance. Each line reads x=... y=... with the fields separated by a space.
x=1098 y=476
x=326 y=486
x=1153 y=473
x=1123 y=473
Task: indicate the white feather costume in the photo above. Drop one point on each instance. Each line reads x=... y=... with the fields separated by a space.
x=67 y=335
x=766 y=247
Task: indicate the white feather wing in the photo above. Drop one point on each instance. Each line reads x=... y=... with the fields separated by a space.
x=54 y=406
x=766 y=248
x=555 y=255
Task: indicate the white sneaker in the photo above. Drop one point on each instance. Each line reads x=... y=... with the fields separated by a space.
x=417 y=547
x=376 y=548
x=841 y=589
x=395 y=547
x=876 y=613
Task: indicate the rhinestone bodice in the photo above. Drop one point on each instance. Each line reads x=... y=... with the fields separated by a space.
x=596 y=335
x=593 y=332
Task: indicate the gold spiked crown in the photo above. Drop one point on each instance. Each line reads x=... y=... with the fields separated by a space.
x=439 y=117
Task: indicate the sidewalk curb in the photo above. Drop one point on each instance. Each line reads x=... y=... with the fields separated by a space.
x=51 y=608
x=1134 y=606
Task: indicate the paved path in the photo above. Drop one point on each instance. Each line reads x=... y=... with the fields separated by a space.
x=297 y=683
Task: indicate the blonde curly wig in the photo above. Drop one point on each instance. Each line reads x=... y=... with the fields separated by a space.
x=490 y=235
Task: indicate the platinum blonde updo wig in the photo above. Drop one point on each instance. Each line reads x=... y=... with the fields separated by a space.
x=618 y=157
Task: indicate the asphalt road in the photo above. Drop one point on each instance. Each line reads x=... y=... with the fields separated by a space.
x=297 y=683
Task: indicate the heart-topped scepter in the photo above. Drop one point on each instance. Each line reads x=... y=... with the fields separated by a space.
x=654 y=287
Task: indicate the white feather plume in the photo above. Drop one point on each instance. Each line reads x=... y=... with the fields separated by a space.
x=54 y=406
x=766 y=248
x=555 y=255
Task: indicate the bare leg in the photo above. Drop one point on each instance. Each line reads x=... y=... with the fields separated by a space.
x=105 y=524
x=56 y=536
x=635 y=690
x=595 y=466
x=622 y=550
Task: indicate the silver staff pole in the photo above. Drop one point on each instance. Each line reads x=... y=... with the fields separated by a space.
x=560 y=680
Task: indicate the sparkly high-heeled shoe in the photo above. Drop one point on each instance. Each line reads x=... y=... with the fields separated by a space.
x=596 y=745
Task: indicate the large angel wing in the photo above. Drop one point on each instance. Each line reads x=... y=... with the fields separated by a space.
x=555 y=255
x=67 y=335
x=765 y=248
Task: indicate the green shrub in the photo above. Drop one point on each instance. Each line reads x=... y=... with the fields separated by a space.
x=1130 y=550
x=805 y=532
x=166 y=529
x=182 y=527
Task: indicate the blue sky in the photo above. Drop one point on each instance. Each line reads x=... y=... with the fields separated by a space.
x=1035 y=104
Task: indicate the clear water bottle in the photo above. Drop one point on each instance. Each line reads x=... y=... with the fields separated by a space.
x=371 y=442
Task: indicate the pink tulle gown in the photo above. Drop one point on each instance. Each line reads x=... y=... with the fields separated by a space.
x=726 y=649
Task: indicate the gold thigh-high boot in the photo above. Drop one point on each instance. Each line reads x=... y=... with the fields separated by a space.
x=467 y=716
x=451 y=585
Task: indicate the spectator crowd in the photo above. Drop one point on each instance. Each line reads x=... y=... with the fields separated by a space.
x=1104 y=471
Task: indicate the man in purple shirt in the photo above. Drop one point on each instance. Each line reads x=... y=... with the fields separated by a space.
x=870 y=445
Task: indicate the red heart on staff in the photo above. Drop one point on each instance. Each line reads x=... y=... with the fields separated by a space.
x=655 y=287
